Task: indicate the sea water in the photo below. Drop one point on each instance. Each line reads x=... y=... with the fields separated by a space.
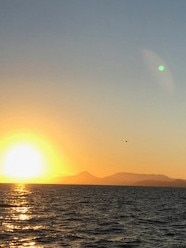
x=92 y=216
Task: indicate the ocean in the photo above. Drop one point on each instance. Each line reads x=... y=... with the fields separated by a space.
x=92 y=216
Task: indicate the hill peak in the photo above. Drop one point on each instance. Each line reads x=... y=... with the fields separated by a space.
x=122 y=178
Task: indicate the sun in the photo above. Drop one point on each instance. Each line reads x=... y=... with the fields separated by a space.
x=23 y=162
x=28 y=158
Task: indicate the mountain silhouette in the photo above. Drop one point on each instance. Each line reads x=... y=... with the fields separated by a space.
x=81 y=178
x=122 y=178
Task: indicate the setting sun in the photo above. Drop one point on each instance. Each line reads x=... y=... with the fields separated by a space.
x=28 y=158
x=23 y=161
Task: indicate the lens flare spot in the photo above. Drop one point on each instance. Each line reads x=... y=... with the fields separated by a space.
x=161 y=68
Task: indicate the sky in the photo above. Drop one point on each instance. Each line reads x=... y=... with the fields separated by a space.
x=84 y=76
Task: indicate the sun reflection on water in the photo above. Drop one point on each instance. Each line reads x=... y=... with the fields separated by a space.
x=20 y=209
x=17 y=213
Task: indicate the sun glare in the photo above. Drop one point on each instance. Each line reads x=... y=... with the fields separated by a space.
x=28 y=158
x=22 y=162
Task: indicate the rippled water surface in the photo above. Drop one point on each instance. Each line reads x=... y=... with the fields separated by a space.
x=92 y=216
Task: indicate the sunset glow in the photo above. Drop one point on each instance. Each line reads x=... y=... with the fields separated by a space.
x=79 y=78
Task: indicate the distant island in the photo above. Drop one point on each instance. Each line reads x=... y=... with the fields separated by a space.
x=122 y=178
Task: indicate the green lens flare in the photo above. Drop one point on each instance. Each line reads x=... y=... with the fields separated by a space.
x=161 y=68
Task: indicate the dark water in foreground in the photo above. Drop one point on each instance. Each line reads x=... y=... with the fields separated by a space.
x=92 y=216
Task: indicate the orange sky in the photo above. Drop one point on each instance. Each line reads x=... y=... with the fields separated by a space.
x=84 y=78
